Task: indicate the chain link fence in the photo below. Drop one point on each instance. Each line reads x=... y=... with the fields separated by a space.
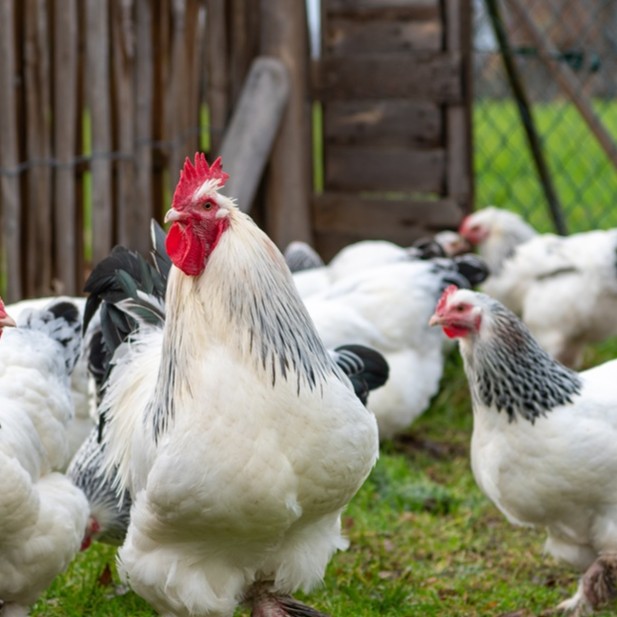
x=564 y=59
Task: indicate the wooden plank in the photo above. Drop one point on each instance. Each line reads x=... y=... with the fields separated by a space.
x=195 y=18
x=354 y=168
x=175 y=93
x=459 y=172
x=244 y=47
x=143 y=101
x=218 y=73
x=419 y=75
x=128 y=231
x=65 y=139
x=401 y=123
x=81 y=171
x=98 y=87
x=9 y=154
x=408 y=9
x=38 y=148
x=253 y=127
x=345 y=36
x=161 y=196
x=380 y=217
x=284 y=34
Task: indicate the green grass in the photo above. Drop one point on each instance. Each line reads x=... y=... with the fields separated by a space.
x=424 y=540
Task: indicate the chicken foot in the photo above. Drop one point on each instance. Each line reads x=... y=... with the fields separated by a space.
x=600 y=580
x=268 y=604
x=597 y=587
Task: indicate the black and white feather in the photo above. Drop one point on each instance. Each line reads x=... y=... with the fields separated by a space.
x=366 y=368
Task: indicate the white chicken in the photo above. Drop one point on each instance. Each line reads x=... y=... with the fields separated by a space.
x=544 y=444
x=311 y=275
x=238 y=438
x=354 y=258
x=42 y=514
x=387 y=308
x=564 y=288
x=81 y=385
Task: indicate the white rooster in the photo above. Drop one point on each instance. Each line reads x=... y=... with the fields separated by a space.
x=238 y=438
x=544 y=444
x=132 y=292
x=564 y=288
x=42 y=514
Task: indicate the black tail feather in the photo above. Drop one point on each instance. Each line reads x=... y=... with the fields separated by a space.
x=128 y=291
x=366 y=368
x=472 y=267
x=159 y=253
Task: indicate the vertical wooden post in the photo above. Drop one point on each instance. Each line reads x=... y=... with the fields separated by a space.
x=175 y=92
x=144 y=91
x=218 y=81
x=9 y=153
x=160 y=101
x=284 y=34
x=98 y=95
x=38 y=143
x=128 y=233
x=65 y=140
x=244 y=43
x=193 y=44
x=458 y=117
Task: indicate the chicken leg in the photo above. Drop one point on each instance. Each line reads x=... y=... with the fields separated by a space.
x=597 y=587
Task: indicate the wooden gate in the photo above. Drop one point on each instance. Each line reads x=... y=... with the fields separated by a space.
x=393 y=81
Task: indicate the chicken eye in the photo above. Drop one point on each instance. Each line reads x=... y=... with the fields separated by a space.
x=460 y=308
x=207 y=205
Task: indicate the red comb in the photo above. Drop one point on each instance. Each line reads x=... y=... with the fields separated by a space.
x=441 y=305
x=193 y=176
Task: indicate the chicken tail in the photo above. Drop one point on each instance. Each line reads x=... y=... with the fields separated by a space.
x=129 y=292
x=365 y=367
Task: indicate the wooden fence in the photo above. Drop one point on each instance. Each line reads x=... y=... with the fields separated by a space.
x=101 y=100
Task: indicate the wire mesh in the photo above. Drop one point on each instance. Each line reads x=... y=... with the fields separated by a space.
x=583 y=37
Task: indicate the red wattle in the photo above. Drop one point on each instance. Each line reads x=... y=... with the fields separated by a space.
x=185 y=250
x=454 y=331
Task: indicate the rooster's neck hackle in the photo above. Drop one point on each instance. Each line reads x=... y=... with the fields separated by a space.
x=510 y=372
x=247 y=300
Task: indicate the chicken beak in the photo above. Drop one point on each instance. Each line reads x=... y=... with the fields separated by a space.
x=172 y=216
x=435 y=320
x=7 y=321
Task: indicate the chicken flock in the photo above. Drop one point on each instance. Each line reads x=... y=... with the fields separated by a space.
x=212 y=410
